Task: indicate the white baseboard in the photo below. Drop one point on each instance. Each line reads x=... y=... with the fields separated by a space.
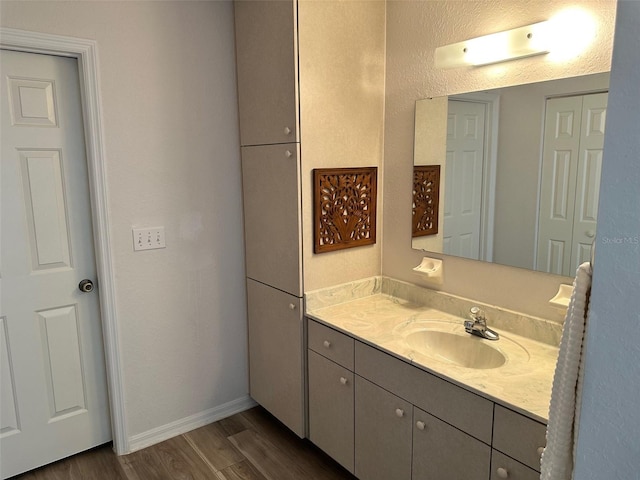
x=164 y=432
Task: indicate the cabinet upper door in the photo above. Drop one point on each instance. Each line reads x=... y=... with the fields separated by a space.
x=266 y=57
x=273 y=233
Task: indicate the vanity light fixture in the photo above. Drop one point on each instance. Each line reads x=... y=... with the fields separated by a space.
x=498 y=47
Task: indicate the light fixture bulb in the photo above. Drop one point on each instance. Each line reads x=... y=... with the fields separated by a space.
x=496 y=47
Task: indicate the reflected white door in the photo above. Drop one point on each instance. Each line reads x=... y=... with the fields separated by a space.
x=569 y=191
x=463 y=178
x=53 y=382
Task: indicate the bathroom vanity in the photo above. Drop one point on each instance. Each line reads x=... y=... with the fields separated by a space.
x=385 y=404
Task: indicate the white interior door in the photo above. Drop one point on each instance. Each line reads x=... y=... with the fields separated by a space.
x=463 y=178
x=569 y=190
x=53 y=384
x=594 y=113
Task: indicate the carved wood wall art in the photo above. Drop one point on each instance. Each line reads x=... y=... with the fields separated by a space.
x=426 y=199
x=344 y=207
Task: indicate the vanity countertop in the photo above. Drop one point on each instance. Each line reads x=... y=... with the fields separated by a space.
x=382 y=320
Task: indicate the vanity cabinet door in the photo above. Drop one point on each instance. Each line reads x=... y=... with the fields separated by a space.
x=382 y=433
x=441 y=451
x=266 y=58
x=331 y=414
x=506 y=467
x=519 y=436
x=272 y=225
x=276 y=365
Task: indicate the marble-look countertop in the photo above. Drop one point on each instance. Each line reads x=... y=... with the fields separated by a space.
x=381 y=320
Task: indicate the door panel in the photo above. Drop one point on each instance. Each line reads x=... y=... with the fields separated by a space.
x=571 y=168
x=46 y=209
x=594 y=112
x=463 y=178
x=61 y=353
x=54 y=395
x=563 y=119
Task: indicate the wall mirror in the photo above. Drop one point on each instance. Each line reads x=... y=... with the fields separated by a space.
x=519 y=173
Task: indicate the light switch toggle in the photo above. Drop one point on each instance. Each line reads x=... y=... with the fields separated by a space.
x=148 y=238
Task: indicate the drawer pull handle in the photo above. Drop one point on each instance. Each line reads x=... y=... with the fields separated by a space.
x=292 y=306
x=287 y=130
x=503 y=473
x=343 y=380
x=399 y=412
x=288 y=154
x=421 y=425
x=540 y=450
x=326 y=343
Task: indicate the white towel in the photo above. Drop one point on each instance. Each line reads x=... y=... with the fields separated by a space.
x=564 y=410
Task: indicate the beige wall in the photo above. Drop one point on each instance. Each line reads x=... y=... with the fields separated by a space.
x=167 y=80
x=341 y=46
x=414 y=30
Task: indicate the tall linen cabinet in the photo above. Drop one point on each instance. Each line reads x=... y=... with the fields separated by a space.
x=267 y=68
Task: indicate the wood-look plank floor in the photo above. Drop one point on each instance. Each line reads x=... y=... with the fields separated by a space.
x=251 y=445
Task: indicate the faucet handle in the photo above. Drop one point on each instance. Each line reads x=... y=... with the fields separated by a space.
x=477 y=314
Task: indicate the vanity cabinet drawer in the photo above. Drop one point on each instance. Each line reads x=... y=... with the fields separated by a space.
x=462 y=409
x=506 y=467
x=518 y=436
x=331 y=344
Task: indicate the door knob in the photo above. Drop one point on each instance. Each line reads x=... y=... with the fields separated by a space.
x=86 y=285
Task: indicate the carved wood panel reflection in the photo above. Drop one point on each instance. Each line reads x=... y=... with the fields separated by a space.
x=426 y=196
x=344 y=207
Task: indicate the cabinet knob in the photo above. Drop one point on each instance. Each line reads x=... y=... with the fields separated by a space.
x=590 y=233
x=287 y=131
x=343 y=380
x=503 y=473
x=421 y=425
x=288 y=154
x=540 y=450
x=399 y=412
x=326 y=344
x=292 y=306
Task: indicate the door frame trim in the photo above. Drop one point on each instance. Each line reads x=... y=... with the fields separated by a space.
x=86 y=53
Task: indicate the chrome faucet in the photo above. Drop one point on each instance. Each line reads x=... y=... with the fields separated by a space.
x=478 y=325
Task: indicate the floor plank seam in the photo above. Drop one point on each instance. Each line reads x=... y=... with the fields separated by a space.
x=201 y=455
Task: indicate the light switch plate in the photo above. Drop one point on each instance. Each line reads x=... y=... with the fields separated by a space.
x=148 y=238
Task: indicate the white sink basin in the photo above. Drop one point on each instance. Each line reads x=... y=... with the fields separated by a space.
x=465 y=351
x=447 y=342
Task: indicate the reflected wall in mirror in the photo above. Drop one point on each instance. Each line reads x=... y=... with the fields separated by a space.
x=520 y=171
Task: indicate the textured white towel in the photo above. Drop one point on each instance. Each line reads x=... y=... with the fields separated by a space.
x=564 y=410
